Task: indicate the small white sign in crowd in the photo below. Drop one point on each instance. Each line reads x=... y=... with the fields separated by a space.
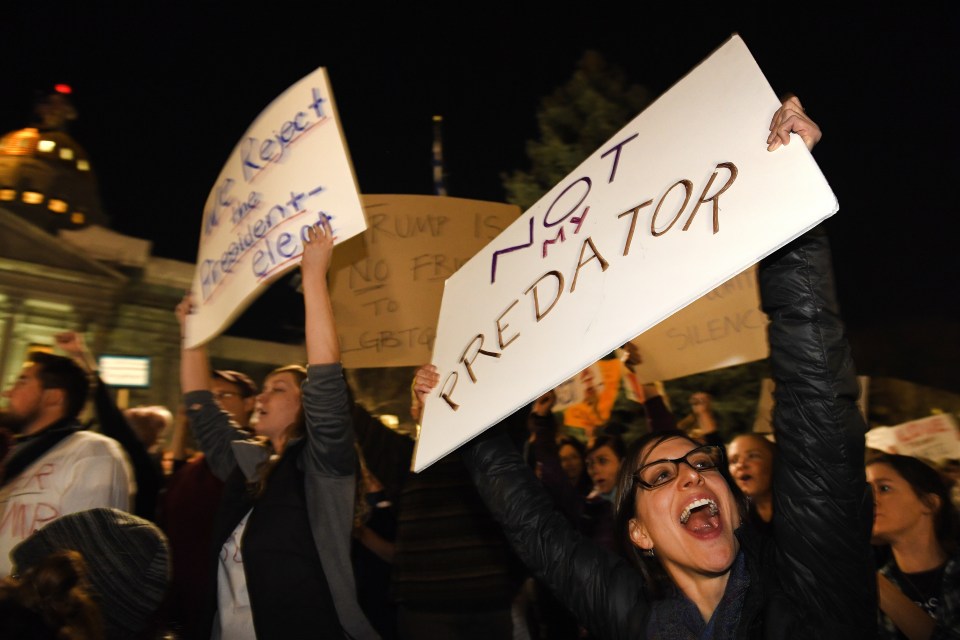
x=935 y=438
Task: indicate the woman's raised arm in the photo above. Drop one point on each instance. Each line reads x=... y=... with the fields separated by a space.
x=322 y=344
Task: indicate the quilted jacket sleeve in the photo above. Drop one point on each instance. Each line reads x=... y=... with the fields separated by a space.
x=601 y=589
x=823 y=507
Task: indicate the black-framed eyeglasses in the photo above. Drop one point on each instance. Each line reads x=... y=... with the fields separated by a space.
x=662 y=472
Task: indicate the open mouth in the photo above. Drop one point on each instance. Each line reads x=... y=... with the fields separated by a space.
x=700 y=517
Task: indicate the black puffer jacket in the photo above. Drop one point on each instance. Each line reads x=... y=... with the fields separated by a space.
x=814 y=577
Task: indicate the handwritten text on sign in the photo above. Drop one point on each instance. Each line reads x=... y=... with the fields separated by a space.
x=290 y=170
x=721 y=329
x=680 y=200
x=387 y=284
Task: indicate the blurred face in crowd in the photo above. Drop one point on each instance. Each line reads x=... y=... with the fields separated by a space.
x=689 y=521
x=898 y=512
x=571 y=463
x=603 y=465
x=278 y=405
x=228 y=395
x=25 y=400
x=751 y=464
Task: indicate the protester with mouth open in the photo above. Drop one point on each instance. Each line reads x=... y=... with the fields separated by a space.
x=283 y=530
x=699 y=571
x=751 y=458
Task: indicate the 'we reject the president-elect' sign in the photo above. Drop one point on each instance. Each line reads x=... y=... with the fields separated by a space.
x=680 y=200
x=289 y=169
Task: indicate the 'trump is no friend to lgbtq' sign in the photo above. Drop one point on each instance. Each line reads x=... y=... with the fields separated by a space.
x=386 y=284
x=680 y=200
x=290 y=169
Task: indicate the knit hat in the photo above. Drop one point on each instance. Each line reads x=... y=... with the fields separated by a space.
x=127 y=559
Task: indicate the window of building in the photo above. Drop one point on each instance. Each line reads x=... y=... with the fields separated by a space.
x=46 y=145
x=8 y=194
x=32 y=197
x=77 y=217
x=83 y=165
x=57 y=206
x=66 y=153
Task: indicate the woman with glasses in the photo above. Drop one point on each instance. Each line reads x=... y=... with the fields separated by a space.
x=695 y=568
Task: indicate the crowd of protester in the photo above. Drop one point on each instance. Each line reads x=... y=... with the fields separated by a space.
x=298 y=516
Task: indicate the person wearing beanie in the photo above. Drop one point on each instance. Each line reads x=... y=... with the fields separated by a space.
x=128 y=564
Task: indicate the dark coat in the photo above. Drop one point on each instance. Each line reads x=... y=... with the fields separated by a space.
x=814 y=577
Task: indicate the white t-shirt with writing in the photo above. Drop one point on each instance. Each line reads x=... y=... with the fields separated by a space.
x=83 y=471
x=234 y=616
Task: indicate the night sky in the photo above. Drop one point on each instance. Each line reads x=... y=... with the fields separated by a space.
x=164 y=94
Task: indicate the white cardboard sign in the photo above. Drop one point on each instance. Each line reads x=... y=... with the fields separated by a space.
x=386 y=284
x=677 y=202
x=289 y=169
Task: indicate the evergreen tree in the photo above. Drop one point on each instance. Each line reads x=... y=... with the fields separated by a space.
x=574 y=121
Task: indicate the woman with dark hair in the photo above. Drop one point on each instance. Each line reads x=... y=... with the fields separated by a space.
x=701 y=574
x=603 y=464
x=572 y=455
x=285 y=521
x=920 y=585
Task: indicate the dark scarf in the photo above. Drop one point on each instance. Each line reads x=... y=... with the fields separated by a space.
x=29 y=449
x=678 y=618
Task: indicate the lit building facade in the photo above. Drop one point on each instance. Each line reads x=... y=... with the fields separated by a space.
x=62 y=268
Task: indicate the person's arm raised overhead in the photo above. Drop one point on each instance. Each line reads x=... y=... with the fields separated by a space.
x=211 y=425
x=322 y=344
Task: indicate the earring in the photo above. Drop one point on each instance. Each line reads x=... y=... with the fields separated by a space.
x=649 y=552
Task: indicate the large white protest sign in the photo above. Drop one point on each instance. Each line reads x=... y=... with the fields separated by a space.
x=680 y=200
x=386 y=284
x=289 y=169
x=726 y=327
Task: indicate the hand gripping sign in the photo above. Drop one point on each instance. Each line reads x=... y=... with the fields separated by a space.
x=289 y=169
x=677 y=202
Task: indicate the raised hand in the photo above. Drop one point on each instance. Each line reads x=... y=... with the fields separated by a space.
x=425 y=380
x=72 y=343
x=791 y=118
x=318 y=249
x=543 y=405
x=182 y=310
x=323 y=346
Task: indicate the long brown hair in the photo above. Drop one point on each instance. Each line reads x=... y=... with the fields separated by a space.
x=294 y=430
x=926 y=481
x=54 y=598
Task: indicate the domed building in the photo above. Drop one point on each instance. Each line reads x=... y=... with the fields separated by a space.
x=45 y=175
x=63 y=268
